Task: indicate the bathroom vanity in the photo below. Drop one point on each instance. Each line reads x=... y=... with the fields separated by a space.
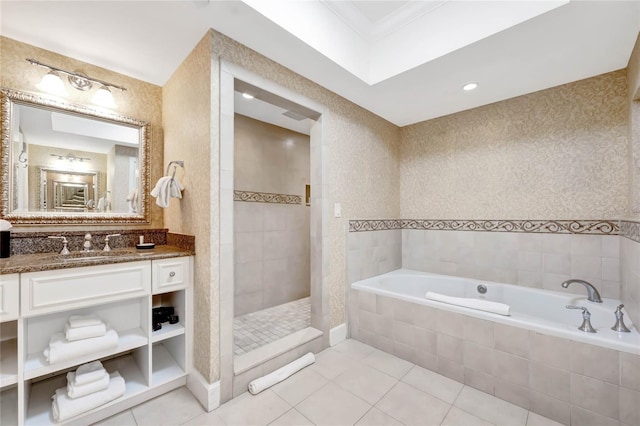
x=39 y=292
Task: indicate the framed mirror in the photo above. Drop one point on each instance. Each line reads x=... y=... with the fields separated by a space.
x=71 y=164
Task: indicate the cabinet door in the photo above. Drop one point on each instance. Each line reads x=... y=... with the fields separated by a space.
x=171 y=274
x=64 y=289
x=9 y=304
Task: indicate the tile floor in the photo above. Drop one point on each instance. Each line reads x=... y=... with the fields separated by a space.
x=256 y=329
x=350 y=383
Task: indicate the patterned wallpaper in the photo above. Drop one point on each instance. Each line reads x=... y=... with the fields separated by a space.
x=142 y=101
x=556 y=154
x=187 y=106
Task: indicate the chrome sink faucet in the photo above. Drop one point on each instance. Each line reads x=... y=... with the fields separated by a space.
x=106 y=241
x=65 y=249
x=586 y=319
x=592 y=292
x=87 y=243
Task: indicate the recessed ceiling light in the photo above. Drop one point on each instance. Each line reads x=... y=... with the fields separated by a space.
x=247 y=96
x=469 y=86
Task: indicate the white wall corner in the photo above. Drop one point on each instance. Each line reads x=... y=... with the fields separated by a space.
x=338 y=334
x=208 y=394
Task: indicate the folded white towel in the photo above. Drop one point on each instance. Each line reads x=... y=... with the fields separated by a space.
x=64 y=408
x=481 y=305
x=60 y=350
x=76 y=321
x=87 y=373
x=265 y=382
x=79 y=333
x=167 y=187
x=77 y=391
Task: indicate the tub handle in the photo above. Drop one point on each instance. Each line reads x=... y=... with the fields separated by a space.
x=586 y=319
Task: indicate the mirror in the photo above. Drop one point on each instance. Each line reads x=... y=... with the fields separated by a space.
x=66 y=164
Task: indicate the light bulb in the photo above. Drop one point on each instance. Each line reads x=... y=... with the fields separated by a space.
x=469 y=86
x=52 y=83
x=104 y=97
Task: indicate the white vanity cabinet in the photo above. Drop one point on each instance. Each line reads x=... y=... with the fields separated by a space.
x=122 y=295
x=9 y=310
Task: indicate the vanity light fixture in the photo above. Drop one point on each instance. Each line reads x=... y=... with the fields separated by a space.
x=247 y=96
x=52 y=83
x=469 y=86
x=71 y=158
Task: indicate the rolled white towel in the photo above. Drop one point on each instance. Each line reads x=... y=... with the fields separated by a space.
x=77 y=321
x=60 y=350
x=79 y=333
x=87 y=373
x=265 y=382
x=481 y=305
x=64 y=408
x=77 y=391
x=162 y=191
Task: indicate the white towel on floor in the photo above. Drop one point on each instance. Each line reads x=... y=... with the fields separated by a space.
x=76 y=321
x=64 y=408
x=60 y=350
x=77 y=391
x=265 y=382
x=481 y=305
x=79 y=333
x=87 y=373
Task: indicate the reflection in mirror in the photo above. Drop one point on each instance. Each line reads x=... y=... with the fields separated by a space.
x=71 y=164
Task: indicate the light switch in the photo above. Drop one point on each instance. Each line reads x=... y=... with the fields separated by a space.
x=337 y=210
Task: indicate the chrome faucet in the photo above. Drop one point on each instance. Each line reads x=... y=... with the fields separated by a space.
x=619 y=326
x=87 y=243
x=592 y=292
x=65 y=242
x=586 y=319
x=106 y=241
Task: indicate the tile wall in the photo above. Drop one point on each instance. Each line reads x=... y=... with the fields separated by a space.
x=271 y=218
x=630 y=269
x=569 y=382
x=373 y=253
x=540 y=260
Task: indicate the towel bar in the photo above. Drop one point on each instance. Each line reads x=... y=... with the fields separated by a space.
x=175 y=163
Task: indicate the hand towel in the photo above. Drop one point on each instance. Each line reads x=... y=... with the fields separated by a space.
x=79 y=333
x=64 y=408
x=60 y=350
x=87 y=373
x=162 y=191
x=176 y=188
x=76 y=391
x=265 y=382
x=76 y=321
x=481 y=305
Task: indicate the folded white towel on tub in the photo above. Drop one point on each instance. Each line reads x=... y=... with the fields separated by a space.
x=79 y=333
x=77 y=391
x=60 y=350
x=64 y=408
x=87 y=373
x=481 y=305
x=265 y=382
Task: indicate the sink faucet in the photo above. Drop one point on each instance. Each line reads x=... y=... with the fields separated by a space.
x=106 y=241
x=87 y=242
x=65 y=249
x=592 y=292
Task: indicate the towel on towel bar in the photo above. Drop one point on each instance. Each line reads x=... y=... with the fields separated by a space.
x=87 y=373
x=481 y=305
x=79 y=333
x=167 y=187
x=64 y=408
x=60 y=350
x=76 y=391
x=265 y=382
x=77 y=321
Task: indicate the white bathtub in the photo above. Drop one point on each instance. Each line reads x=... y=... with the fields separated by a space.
x=533 y=309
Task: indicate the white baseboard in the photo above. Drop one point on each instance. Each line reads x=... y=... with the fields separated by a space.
x=337 y=334
x=208 y=394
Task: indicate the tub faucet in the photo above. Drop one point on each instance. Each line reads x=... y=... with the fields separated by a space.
x=592 y=292
x=586 y=319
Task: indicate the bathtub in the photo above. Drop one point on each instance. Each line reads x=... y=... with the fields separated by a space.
x=539 y=310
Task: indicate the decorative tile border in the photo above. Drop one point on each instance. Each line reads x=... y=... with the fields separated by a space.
x=598 y=227
x=630 y=230
x=266 y=197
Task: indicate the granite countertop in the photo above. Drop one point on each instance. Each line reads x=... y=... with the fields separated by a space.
x=48 y=261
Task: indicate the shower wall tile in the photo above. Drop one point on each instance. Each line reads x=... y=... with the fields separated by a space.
x=373 y=253
x=630 y=276
x=271 y=226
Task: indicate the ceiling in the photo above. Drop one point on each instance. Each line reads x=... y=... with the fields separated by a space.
x=405 y=61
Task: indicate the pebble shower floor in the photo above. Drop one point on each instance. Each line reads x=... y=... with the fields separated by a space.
x=257 y=329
